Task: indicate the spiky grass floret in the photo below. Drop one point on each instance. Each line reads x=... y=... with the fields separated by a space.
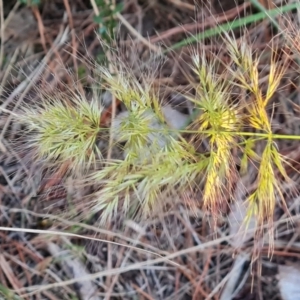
x=144 y=134
x=64 y=132
x=137 y=97
x=157 y=160
x=218 y=121
x=128 y=185
x=142 y=126
x=263 y=199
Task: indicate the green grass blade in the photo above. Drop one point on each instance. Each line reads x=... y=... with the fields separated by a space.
x=235 y=24
x=260 y=7
x=8 y=294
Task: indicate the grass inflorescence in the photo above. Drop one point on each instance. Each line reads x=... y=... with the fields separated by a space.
x=160 y=161
x=60 y=131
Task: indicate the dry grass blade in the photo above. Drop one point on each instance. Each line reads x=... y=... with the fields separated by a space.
x=9 y=273
x=234 y=276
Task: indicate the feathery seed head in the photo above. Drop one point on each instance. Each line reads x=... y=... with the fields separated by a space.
x=263 y=199
x=140 y=185
x=64 y=132
x=219 y=121
x=213 y=100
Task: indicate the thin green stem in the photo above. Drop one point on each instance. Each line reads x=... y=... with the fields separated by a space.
x=265 y=11
x=236 y=134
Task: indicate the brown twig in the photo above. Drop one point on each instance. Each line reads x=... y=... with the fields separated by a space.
x=1 y=31
x=182 y=4
x=230 y=14
x=74 y=43
x=41 y=27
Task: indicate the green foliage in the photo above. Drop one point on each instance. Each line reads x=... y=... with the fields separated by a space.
x=30 y=2
x=8 y=294
x=106 y=18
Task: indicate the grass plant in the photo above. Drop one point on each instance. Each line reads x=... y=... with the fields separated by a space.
x=164 y=179
x=158 y=160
